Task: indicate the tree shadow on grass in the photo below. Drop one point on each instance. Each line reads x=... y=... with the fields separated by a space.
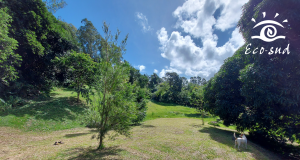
x=80 y=134
x=91 y=154
x=142 y=125
x=147 y=126
x=68 y=89
x=196 y=125
x=53 y=94
x=53 y=108
x=163 y=103
x=196 y=115
x=225 y=137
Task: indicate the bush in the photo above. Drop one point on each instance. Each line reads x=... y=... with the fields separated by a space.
x=214 y=123
x=4 y=106
x=91 y=118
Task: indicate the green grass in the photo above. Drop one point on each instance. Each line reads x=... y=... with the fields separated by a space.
x=167 y=110
x=61 y=111
x=58 y=112
x=165 y=138
x=169 y=132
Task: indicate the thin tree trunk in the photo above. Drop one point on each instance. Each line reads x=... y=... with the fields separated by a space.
x=78 y=97
x=101 y=146
x=101 y=143
x=202 y=115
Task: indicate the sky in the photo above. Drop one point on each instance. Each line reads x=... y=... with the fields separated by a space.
x=189 y=37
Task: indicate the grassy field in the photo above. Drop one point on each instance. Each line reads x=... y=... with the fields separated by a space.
x=61 y=111
x=169 y=132
x=58 y=112
x=165 y=110
x=166 y=138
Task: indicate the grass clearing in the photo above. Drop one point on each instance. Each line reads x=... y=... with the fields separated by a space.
x=169 y=132
x=163 y=138
x=167 y=110
x=60 y=111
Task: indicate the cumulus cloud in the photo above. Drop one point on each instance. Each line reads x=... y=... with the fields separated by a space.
x=168 y=69
x=196 y=17
x=141 y=67
x=185 y=57
x=143 y=21
x=230 y=14
x=155 y=71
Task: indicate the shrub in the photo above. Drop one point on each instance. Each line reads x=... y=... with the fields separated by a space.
x=214 y=123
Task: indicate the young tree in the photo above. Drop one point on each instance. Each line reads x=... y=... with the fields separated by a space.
x=141 y=104
x=80 y=70
x=114 y=105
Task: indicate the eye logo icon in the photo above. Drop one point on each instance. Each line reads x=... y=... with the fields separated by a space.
x=271 y=33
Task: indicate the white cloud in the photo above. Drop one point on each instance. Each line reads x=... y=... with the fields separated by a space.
x=155 y=71
x=141 y=67
x=185 y=57
x=143 y=21
x=230 y=14
x=168 y=69
x=196 y=17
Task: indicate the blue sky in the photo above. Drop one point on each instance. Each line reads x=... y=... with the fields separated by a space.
x=190 y=37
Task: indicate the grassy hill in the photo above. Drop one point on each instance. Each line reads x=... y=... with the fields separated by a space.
x=169 y=132
x=58 y=112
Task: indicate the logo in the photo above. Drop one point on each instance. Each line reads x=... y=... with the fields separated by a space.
x=270 y=32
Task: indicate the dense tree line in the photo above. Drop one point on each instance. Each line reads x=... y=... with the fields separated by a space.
x=175 y=89
x=40 y=37
x=260 y=92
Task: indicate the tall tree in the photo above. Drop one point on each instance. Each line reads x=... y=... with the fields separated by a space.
x=198 y=80
x=222 y=95
x=153 y=82
x=40 y=37
x=89 y=38
x=134 y=74
x=175 y=83
x=162 y=93
x=143 y=81
x=8 y=57
x=260 y=92
x=184 y=81
x=271 y=84
x=54 y=5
